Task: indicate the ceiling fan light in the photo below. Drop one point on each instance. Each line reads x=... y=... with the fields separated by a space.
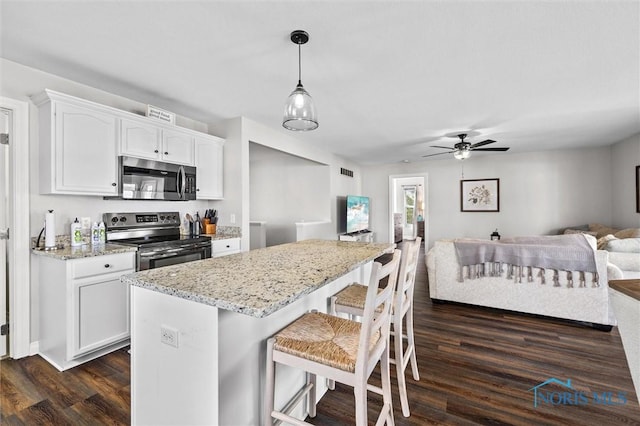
x=461 y=154
x=300 y=111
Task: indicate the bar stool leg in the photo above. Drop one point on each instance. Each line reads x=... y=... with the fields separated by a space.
x=412 y=345
x=386 y=386
x=400 y=365
x=311 y=401
x=360 y=394
x=269 y=385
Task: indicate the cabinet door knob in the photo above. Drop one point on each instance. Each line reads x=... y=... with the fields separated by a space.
x=106 y=265
x=114 y=184
x=197 y=189
x=166 y=153
x=155 y=151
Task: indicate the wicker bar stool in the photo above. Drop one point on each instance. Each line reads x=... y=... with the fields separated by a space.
x=339 y=349
x=351 y=301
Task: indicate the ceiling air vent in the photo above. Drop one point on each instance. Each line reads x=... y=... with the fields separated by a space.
x=346 y=172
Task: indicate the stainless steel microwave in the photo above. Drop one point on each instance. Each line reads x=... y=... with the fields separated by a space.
x=142 y=179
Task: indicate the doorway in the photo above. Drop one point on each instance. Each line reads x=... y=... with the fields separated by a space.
x=5 y=136
x=407 y=207
x=15 y=251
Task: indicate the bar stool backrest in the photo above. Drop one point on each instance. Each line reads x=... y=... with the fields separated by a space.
x=376 y=321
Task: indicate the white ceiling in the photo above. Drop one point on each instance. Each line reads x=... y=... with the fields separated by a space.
x=389 y=79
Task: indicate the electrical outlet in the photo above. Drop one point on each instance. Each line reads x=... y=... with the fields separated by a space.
x=232 y=218
x=169 y=336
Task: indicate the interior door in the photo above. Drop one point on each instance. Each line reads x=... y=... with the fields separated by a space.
x=409 y=212
x=5 y=128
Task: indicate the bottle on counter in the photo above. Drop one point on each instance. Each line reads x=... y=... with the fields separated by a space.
x=102 y=233
x=76 y=233
x=197 y=226
x=95 y=234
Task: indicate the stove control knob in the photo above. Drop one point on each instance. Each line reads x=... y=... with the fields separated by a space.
x=114 y=220
x=123 y=219
x=174 y=217
x=162 y=217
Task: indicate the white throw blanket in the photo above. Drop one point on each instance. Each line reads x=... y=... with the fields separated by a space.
x=572 y=252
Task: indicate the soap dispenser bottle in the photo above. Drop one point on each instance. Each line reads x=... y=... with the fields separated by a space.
x=95 y=234
x=102 y=233
x=76 y=233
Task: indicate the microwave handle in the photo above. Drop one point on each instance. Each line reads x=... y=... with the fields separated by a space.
x=182 y=182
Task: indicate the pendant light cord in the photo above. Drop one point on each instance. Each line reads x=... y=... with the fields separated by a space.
x=299 y=65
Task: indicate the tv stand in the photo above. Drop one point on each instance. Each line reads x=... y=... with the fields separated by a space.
x=362 y=236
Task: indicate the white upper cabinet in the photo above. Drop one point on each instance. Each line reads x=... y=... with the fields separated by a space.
x=77 y=148
x=209 y=168
x=177 y=147
x=80 y=142
x=141 y=138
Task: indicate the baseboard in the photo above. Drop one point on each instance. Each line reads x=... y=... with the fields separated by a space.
x=34 y=348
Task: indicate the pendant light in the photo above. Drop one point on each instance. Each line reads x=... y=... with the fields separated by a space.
x=299 y=111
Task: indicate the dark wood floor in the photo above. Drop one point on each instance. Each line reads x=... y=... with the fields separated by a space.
x=477 y=366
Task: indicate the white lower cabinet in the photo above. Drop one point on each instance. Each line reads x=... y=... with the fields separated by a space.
x=225 y=247
x=84 y=308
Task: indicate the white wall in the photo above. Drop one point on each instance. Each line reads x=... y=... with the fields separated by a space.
x=540 y=192
x=625 y=156
x=239 y=132
x=285 y=189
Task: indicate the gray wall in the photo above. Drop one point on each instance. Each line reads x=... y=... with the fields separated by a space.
x=625 y=156
x=539 y=192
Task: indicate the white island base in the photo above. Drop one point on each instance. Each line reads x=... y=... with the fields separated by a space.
x=210 y=368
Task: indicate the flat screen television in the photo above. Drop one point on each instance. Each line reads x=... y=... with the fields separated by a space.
x=357 y=213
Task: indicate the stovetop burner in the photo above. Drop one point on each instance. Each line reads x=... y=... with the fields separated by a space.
x=164 y=240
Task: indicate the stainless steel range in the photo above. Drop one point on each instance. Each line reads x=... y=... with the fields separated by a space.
x=157 y=237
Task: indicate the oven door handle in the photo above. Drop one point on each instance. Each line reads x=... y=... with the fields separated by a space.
x=181 y=183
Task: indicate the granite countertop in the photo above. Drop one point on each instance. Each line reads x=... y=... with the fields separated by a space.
x=67 y=252
x=629 y=287
x=259 y=282
x=225 y=232
x=218 y=236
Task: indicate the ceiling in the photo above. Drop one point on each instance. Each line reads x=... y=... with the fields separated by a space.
x=389 y=79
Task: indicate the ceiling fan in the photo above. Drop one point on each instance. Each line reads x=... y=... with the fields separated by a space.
x=462 y=149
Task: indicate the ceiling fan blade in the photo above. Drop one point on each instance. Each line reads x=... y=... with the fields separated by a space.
x=440 y=153
x=490 y=149
x=443 y=147
x=487 y=142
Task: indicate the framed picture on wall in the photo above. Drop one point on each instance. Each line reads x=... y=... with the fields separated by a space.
x=480 y=195
x=638 y=189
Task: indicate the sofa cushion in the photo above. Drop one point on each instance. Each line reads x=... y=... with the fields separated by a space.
x=580 y=231
x=602 y=230
x=625 y=245
x=628 y=233
x=603 y=241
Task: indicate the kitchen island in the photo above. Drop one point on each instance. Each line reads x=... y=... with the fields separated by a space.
x=198 y=329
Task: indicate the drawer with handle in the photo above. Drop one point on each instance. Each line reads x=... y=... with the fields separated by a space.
x=99 y=265
x=225 y=247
